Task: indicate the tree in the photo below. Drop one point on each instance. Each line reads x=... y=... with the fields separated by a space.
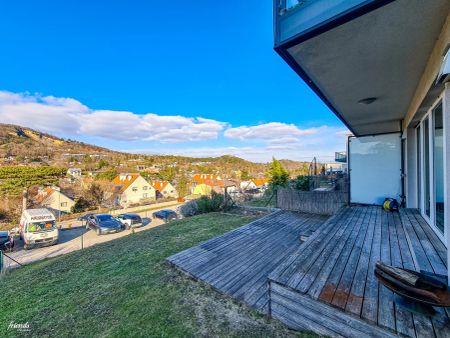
x=245 y=176
x=108 y=175
x=278 y=175
x=182 y=186
x=95 y=194
x=102 y=163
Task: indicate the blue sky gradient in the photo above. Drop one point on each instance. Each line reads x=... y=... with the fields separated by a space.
x=204 y=58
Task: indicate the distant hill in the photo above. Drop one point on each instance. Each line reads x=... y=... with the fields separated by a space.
x=21 y=145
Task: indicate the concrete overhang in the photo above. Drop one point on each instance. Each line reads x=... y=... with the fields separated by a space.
x=367 y=68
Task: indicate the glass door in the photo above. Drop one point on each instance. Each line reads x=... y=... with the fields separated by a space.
x=438 y=164
x=430 y=173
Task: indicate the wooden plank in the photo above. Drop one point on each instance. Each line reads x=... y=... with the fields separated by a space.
x=356 y=294
x=308 y=272
x=327 y=293
x=369 y=309
x=343 y=289
x=422 y=323
x=316 y=277
x=386 y=311
x=324 y=315
x=404 y=321
x=432 y=238
x=314 y=286
x=285 y=270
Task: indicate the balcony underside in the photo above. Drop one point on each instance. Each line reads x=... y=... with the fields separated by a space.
x=381 y=54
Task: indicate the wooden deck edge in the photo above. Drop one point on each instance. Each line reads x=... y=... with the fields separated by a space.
x=299 y=312
x=172 y=259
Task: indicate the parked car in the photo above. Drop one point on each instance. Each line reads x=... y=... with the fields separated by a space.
x=130 y=220
x=103 y=224
x=166 y=214
x=6 y=241
x=84 y=217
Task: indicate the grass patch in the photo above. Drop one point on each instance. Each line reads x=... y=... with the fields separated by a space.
x=265 y=201
x=125 y=288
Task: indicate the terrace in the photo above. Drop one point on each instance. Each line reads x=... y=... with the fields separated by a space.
x=316 y=273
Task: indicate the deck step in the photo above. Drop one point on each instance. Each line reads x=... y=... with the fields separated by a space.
x=300 y=312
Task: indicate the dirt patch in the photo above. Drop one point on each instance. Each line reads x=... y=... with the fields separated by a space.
x=216 y=314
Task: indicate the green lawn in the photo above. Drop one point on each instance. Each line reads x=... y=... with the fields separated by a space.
x=125 y=288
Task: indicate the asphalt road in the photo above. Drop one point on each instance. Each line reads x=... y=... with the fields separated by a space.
x=74 y=238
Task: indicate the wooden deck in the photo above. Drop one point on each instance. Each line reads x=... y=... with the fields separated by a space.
x=239 y=262
x=325 y=284
x=328 y=284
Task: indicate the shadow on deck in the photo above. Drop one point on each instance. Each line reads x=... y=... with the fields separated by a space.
x=326 y=284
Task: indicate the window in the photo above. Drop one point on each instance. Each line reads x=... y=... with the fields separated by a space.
x=145 y=195
x=144 y=187
x=134 y=189
x=63 y=204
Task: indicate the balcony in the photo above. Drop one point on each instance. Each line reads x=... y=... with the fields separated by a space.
x=340 y=156
x=295 y=18
x=356 y=54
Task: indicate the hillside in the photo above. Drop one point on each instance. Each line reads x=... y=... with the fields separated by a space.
x=21 y=142
x=25 y=146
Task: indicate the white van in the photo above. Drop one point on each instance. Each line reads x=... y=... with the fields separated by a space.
x=37 y=228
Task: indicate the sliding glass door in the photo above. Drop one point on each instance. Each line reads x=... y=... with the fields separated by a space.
x=438 y=164
x=430 y=173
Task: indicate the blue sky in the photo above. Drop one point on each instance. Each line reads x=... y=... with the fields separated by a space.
x=204 y=70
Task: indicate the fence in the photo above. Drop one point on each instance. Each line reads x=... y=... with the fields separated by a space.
x=315 y=202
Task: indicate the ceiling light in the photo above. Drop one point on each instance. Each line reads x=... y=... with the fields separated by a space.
x=367 y=100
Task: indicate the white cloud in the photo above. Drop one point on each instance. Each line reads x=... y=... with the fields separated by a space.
x=321 y=145
x=272 y=131
x=69 y=116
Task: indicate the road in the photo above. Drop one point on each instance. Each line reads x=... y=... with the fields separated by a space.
x=74 y=238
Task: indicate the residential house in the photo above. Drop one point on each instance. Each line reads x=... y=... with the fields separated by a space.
x=383 y=67
x=214 y=182
x=53 y=199
x=164 y=189
x=255 y=183
x=133 y=189
x=74 y=172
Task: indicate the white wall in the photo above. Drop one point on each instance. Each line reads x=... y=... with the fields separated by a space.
x=375 y=168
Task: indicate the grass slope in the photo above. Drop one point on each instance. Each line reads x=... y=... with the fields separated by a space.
x=125 y=288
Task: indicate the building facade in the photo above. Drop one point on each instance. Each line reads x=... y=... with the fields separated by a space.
x=383 y=68
x=133 y=189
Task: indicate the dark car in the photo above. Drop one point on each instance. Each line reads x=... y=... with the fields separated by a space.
x=6 y=241
x=84 y=218
x=166 y=214
x=104 y=224
x=130 y=220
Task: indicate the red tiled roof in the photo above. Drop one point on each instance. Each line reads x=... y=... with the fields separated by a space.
x=211 y=180
x=260 y=181
x=159 y=185
x=124 y=181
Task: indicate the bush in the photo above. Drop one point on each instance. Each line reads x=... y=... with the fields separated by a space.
x=302 y=183
x=205 y=204
x=188 y=209
x=210 y=204
x=81 y=205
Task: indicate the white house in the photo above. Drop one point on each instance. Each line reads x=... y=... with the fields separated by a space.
x=254 y=183
x=52 y=198
x=74 y=172
x=164 y=189
x=133 y=189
